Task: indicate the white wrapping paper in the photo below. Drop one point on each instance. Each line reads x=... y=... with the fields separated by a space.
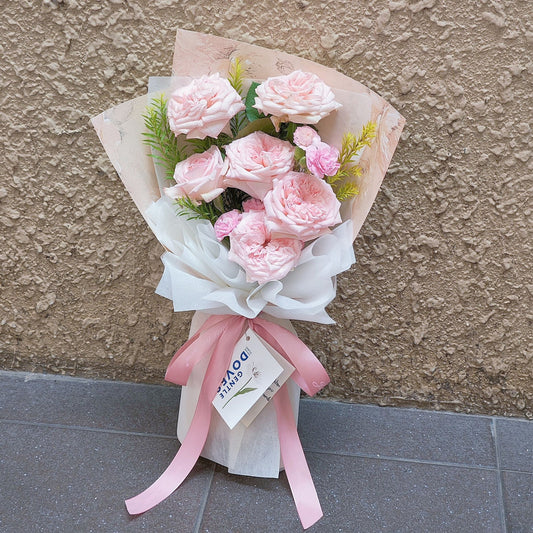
x=199 y=276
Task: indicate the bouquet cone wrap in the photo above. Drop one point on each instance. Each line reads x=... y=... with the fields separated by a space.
x=198 y=274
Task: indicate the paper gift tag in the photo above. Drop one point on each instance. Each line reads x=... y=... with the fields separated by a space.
x=288 y=369
x=252 y=371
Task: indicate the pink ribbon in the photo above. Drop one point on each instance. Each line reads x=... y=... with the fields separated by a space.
x=216 y=340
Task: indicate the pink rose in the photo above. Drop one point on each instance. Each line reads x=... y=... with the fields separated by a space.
x=255 y=160
x=203 y=107
x=299 y=97
x=305 y=136
x=226 y=223
x=199 y=177
x=263 y=259
x=252 y=204
x=301 y=206
x=322 y=159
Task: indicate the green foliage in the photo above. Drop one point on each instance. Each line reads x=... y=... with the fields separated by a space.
x=230 y=199
x=263 y=124
x=236 y=78
x=352 y=145
x=238 y=122
x=236 y=74
x=191 y=210
x=345 y=173
x=160 y=138
x=233 y=199
x=251 y=112
x=201 y=145
x=299 y=157
x=286 y=131
x=346 y=190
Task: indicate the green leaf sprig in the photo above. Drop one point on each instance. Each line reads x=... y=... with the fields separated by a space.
x=236 y=75
x=190 y=209
x=251 y=112
x=341 y=182
x=160 y=138
x=230 y=199
x=202 y=145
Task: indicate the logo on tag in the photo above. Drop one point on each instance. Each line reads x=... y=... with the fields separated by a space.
x=250 y=380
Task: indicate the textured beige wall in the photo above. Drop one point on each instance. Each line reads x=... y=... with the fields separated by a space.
x=437 y=311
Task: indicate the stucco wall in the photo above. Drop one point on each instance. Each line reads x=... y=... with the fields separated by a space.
x=437 y=311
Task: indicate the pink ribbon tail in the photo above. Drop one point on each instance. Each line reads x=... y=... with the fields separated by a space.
x=300 y=480
x=193 y=443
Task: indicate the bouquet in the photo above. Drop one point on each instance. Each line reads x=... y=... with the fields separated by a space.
x=255 y=170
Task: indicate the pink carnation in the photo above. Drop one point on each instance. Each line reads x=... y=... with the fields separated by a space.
x=252 y=204
x=199 y=177
x=299 y=97
x=263 y=258
x=255 y=161
x=305 y=136
x=203 y=107
x=226 y=223
x=301 y=206
x=322 y=159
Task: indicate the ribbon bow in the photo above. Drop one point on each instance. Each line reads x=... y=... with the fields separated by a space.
x=216 y=340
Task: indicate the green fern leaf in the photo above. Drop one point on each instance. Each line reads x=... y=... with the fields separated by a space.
x=347 y=191
x=192 y=210
x=236 y=74
x=350 y=149
x=160 y=138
